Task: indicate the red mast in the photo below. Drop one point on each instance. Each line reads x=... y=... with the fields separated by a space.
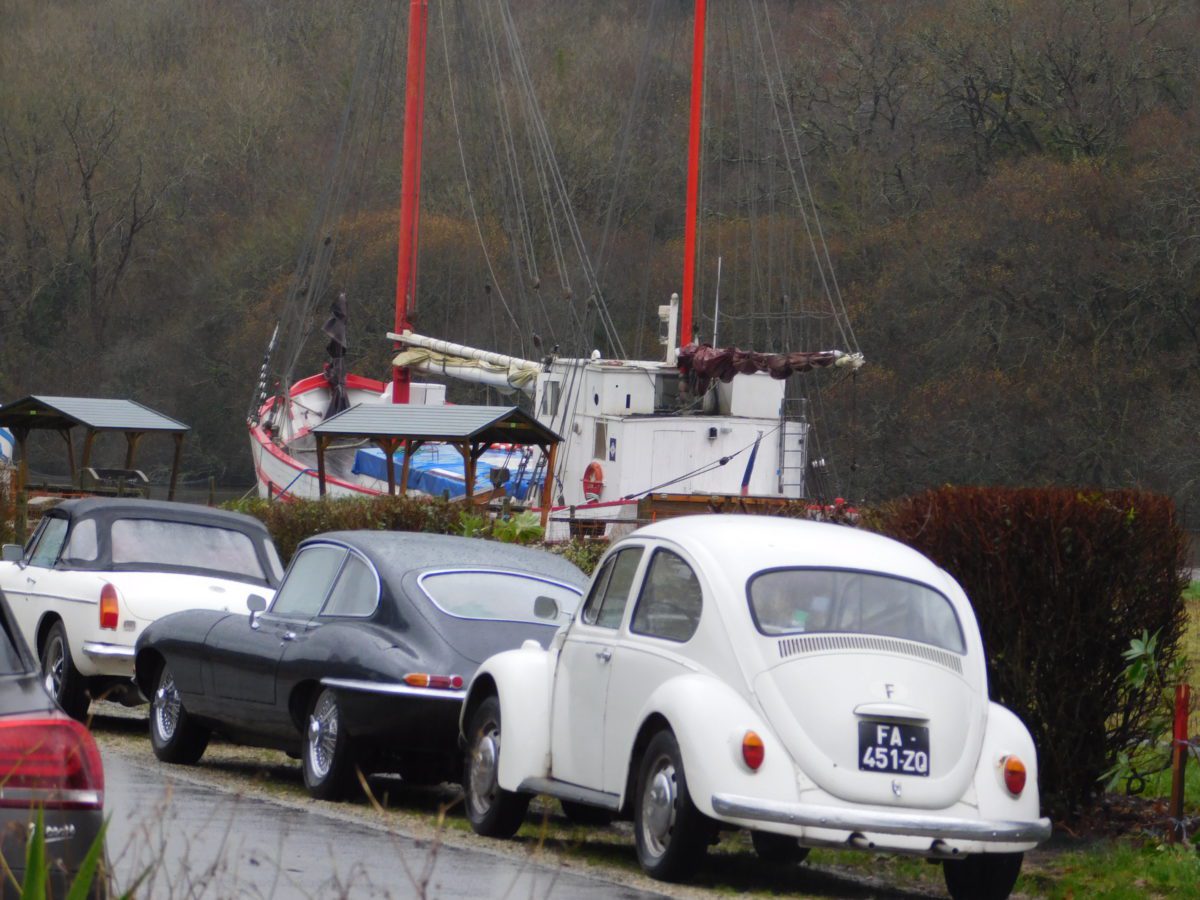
x=693 y=176
x=410 y=185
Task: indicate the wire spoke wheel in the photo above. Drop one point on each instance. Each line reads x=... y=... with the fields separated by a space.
x=166 y=706
x=323 y=736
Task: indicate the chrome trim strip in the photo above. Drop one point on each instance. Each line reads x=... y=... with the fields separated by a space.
x=394 y=690
x=50 y=798
x=107 y=651
x=564 y=790
x=869 y=820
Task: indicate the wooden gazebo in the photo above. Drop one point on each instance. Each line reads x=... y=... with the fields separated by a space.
x=470 y=429
x=95 y=415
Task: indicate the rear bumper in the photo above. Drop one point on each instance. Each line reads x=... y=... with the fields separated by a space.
x=96 y=650
x=852 y=819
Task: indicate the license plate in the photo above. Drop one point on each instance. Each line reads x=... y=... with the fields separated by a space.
x=892 y=748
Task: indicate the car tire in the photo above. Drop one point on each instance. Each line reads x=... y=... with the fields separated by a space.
x=985 y=876
x=491 y=810
x=62 y=679
x=583 y=814
x=174 y=736
x=778 y=849
x=328 y=750
x=671 y=834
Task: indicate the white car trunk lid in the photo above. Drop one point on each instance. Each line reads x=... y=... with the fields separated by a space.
x=875 y=720
x=148 y=596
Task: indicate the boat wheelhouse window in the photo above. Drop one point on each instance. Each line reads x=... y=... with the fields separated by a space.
x=600 y=447
x=82 y=545
x=551 y=391
x=803 y=601
x=501 y=596
x=356 y=593
x=303 y=590
x=183 y=545
x=666 y=391
x=49 y=541
x=670 y=601
x=610 y=591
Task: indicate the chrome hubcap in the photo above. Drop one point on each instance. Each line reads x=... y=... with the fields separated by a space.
x=322 y=736
x=52 y=668
x=658 y=807
x=482 y=776
x=166 y=707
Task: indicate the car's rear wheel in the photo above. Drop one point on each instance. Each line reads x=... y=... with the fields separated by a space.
x=328 y=750
x=174 y=735
x=778 y=849
x=672 y=835
x=491 y=810
x=63 y=680
x=985 y=876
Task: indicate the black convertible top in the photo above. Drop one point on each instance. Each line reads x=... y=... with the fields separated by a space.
x=126 y=507
x=395 y=553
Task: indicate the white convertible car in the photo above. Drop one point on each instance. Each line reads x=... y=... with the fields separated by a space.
x=816 y=684
x=97 y=571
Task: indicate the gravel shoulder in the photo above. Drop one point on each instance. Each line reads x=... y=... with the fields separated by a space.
x=434 y=815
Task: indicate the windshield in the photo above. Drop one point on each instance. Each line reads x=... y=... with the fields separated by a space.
x=155 y=542
x=801 y=601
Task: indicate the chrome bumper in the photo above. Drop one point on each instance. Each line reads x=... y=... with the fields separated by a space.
x=107 y=651
x=393 y=690
x=880 y=822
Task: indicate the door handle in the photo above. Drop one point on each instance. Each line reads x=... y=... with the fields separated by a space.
x=287 y=636
x=604 y=655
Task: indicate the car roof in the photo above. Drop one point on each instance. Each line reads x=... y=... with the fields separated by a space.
x=744 y=544
x=115 y=507
x=395 y=553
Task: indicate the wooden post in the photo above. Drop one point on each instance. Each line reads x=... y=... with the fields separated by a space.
x=321 y=441
x=1179 y=755
x=85 y=461
x=410 y=447
x=66 y=436
x=468 y=468
x=21 y=519
x=132 y=438
x=175 y=466
x=389 y=446
x=548 y=483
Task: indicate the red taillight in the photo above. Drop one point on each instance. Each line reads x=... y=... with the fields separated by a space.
x=109 y=610
x=753 y=750
x=51 y=763
x=442 y=682
x=1014 y=775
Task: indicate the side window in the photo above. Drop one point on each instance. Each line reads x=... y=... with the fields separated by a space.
x=49 y=542
x=670 y=602
x=606 y=603
x=307 y=582
x=356 y=592
x=82 y=545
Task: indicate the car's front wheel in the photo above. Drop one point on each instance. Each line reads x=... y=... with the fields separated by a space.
x=62 y=679
x=328 y=750
x=672 y=835
x=491 y=810
x=174 y=736
x=985 y=876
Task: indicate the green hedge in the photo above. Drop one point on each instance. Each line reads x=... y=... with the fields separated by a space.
x=1061 y=582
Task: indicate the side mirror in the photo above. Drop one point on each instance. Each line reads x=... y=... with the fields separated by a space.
x=13 y=552
x=256 y=603
x=545 y=608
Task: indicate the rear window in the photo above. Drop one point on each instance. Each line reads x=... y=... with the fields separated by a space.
x=799 y=601
x=153 y=542
x=501 y=596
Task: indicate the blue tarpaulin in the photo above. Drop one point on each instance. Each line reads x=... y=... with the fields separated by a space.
x=438 y=468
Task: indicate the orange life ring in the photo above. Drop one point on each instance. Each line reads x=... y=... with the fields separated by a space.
x=593 y=481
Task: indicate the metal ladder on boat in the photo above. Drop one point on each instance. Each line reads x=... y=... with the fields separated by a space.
x=793 y=446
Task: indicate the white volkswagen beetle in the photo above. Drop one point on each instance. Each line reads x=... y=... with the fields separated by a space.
x=816 y=684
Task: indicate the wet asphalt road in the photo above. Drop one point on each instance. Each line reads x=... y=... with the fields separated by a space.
x=198 y=841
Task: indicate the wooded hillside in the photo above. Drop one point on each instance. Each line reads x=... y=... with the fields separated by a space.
x=1010 y=192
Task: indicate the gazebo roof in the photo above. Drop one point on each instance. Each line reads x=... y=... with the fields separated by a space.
x=477 y=424
x=95 y=413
